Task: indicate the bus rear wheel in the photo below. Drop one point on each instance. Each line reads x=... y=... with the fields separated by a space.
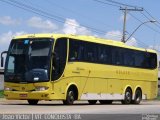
x=92 y=102
x=138 y=97
x=33 y=102
x=106 y=101
x=127 y=97
x=70 y=98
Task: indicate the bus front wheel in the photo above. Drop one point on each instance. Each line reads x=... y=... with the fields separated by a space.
x=70 y=97
x=33 y=102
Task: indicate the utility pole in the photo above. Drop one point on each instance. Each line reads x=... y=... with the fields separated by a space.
x=124 y=22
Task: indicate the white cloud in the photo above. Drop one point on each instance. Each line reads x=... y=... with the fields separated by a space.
x=44 y=25
x=132 y=42
x=6 y=38
x=114 y=35
x=7 y=20
x=117 y=35
x=71 y=26
x=156 y=47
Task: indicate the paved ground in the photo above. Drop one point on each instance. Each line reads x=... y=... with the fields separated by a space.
x=82 y=107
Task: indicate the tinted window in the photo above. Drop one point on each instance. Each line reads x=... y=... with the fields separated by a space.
x=59 y=58
x=90 y=52
x=129 y=59
x=153 y=60
x=117 y=56
x=76 y=50
x=150 y=60
x=39 y=51
x=104 y=54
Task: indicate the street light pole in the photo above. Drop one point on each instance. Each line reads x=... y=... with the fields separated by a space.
x=125 y=16
x=124 y=25
x=151 y=21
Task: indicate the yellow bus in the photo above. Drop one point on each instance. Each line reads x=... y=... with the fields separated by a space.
x=71 y=67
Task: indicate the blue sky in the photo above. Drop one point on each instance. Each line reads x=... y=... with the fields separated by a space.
x=76 y=17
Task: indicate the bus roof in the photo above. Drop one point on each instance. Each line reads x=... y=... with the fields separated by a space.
x=84 y=38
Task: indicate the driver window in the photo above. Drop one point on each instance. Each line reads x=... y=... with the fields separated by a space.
x=11 y=64
x=59 y=58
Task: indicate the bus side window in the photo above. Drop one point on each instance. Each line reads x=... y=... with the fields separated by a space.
x=73 y=50
x=129 y=59
x=91 y=52
x=117 y=58
x=59 y=58
x=104 y=54
x=139 y=59
x=153 y=60
x=150 y=60
x=76 y=50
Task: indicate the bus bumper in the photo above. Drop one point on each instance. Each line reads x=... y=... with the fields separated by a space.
x=38 y=95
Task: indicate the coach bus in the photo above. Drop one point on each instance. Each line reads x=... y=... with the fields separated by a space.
x=73 y=67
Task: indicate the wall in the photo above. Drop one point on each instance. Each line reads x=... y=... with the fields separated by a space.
x=1 y=82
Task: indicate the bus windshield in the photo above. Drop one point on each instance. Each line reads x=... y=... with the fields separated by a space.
x=28 y=60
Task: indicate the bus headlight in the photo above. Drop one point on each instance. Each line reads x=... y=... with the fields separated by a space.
x=41 y=88
x=8 y=89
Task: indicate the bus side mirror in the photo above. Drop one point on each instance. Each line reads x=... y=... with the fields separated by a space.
x=2 y=58
x=2 y=61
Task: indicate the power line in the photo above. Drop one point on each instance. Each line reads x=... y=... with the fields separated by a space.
x=111 y=1
x=39 y=7
x=144 y=45
x=151 y=16
x=45 y=14
x=32 y=9
x=139 y=41
x=106 y=3
x=153 y=19
x=123 y=4
x=48 y=15
x=51 y=3
x=144 y=24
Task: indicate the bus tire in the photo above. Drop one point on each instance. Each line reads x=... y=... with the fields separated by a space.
x=138 y=96
x=70 y=98
x=106 y=101
x=33 y=102
x=92 y=102
x=127 y=96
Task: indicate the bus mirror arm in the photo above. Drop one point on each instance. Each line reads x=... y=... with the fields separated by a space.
x=2 y=58
x=53 y=54
x=2 y=61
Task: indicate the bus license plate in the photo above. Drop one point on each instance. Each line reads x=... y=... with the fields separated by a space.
x=23 y=95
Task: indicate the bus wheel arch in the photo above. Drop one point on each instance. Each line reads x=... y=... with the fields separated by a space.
x=127 y=95
x=71 y=94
